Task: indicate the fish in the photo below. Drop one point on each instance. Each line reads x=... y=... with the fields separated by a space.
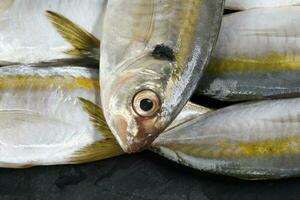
x=44 y=118
x=250 y=4
x=51 y=112
x=254 y=140
x=52 y=115
x=256 y=56
x=27 y=36
x=151 y=61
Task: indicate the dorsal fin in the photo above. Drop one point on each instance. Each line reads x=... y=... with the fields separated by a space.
x=84 y=43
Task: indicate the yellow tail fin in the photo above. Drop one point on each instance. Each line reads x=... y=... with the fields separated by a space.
x=85 y=44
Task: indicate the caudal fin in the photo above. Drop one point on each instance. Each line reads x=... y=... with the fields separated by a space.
x=84 y=43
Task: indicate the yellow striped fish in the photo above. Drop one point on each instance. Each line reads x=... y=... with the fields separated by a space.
x=152 y=56
x=257 y=56
x=259 y=140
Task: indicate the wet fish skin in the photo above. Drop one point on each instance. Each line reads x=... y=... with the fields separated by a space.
x=256 y=56
x=258 y=140
x=20 y=20
x=153 y=55
x=42 y=119
x=250 y=4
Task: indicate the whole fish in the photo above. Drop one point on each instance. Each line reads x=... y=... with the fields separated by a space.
x=250 y=4
x=152 y=56
x=259 y=140
x=26 y=36
x=256 y=56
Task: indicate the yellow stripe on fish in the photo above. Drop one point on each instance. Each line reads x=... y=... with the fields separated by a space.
x=42 y=82
x=228 y=148
x=271 y=62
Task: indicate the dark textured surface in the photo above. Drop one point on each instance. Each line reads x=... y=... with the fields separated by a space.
x=141 y=176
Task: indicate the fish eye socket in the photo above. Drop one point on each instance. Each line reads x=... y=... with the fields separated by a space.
x=146 y=103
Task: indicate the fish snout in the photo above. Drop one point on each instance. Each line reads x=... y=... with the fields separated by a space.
x=135 y=138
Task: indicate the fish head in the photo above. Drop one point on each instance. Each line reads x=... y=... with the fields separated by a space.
x=151 y=62
x=139 y=105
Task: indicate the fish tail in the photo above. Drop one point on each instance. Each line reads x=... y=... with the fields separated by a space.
x=84 y=43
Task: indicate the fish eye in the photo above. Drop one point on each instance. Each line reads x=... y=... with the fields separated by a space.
x=146 y=103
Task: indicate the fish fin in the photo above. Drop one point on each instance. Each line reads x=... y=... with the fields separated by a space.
x=97 y=117
x=4 y=4
x=6 y=63
x=84 y=43
x=73 y=52
x=100 y=150
x=105 y=148
x=76 y=61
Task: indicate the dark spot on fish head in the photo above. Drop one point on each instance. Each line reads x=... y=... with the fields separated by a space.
x=163 y=52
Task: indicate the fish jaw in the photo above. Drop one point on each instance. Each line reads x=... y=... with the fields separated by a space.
x=134 y=140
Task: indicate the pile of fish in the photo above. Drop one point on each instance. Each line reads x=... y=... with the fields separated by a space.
x=82 y=81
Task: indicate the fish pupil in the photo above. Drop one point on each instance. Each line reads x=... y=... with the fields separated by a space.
x=163 y=52
x=146 y=105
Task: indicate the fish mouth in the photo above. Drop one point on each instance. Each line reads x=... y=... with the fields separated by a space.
x=132 y=142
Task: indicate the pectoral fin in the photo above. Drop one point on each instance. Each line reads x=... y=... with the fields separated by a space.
x=106 y=147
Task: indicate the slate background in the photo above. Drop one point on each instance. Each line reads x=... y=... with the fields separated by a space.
x=141 y=176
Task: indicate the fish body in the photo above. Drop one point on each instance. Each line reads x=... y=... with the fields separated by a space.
x=52 y=115
x=250 y=4
x=259 y=140
x=151 y=61
x=43 y=120
x=27 y=36
x=256 y=56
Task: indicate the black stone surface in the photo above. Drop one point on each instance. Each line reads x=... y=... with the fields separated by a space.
x=141 y=176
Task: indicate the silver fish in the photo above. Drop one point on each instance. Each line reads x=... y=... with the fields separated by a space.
x=259 y=140
x=257 y=56
x=27 y=36
x=250 y=4
x=152 y=56
x=43 y=116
